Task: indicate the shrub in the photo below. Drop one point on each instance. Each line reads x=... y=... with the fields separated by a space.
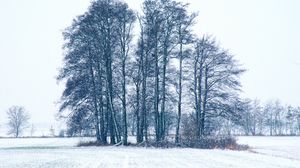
x=90 y=143
x=61 y=133
x=207 y=142
x=215 y=142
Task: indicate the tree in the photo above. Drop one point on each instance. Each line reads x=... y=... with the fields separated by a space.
x=165 y=26
x=184 y=22
x=216 y=82
x=97 y=44
x=32 y=130
x=278 y=110
x=252 y=119
x=297 y=116
x=152 y=25
x=17 y=120
x=126 y=18
x=269 y=120
x=52 y=131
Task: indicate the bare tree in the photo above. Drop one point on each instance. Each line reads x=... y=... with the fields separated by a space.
x=97 y=47
x=52 y=131
x=184 y=22
x=17 y=120
x=32 y=130
x=216 y=82
x=126 y=19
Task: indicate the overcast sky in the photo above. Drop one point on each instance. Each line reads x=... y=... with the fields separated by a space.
x=263 y=34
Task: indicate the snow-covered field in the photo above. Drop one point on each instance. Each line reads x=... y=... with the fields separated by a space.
x=283 y=147
x=267 y=152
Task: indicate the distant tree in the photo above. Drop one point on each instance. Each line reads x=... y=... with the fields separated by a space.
x=289 y=121
x=269 y=120
x=17 y=120
x=278 y=110
x=252 y=119
x=52 y=131
x=32 y=130
x=297 y=116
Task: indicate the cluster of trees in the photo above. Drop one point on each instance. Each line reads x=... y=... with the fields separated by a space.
x=18 y=121
x=271 y=119
x=257 y=119
x=115 y=82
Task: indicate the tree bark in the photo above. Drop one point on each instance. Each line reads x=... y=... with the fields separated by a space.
x=204 y=100
x=180 y=91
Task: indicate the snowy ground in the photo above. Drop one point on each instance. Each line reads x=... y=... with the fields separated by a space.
x=284 y=147
x=267 y=152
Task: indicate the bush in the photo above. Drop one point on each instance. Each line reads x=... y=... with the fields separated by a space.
x=98 y=143
x=207 y=142
x=160 y=144
x=214 y=142
x=61 y=133
x=90 y=143
x=188 y=127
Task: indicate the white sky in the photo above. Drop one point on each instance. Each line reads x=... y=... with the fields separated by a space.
x=263 y=35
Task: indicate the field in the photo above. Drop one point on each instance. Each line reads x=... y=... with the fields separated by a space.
x=266 y=152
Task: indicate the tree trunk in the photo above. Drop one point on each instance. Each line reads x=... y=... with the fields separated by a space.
x=179 y=94
x=124 y=103
x=144 y=109
x=95 y=105
x=139 y=137
x=156 y=99
x=204 y=101
x=163 y=99
x=94 y=95
x=196 y=97
x=124 y=115
x=101 y=110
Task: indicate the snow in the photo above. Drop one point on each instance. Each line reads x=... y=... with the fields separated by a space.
x=285 y=147
x=267 y=152
x=40 y=142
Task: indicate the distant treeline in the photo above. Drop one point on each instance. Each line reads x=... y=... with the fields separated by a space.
x=272 y=118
